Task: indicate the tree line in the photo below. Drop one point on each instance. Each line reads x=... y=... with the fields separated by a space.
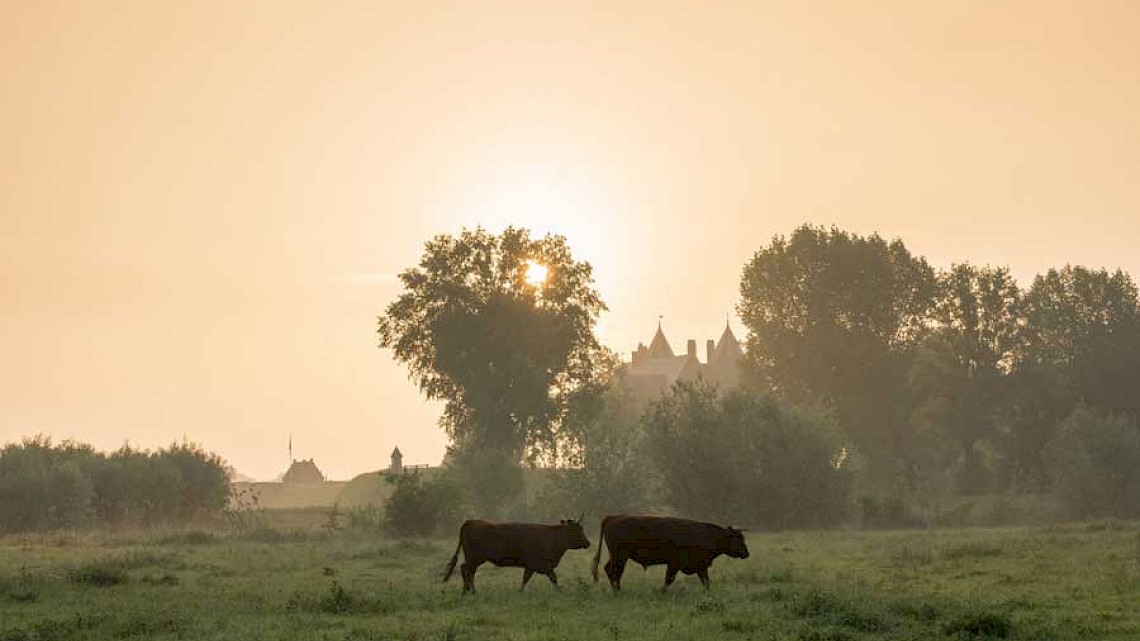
x=44 y=486
x=867 y=371
x=956 y=379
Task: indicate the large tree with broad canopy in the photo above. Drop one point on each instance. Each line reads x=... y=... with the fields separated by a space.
x=503 y=344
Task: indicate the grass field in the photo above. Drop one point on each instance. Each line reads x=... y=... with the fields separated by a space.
x=1073 y=582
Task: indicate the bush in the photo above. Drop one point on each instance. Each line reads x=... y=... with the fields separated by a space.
x=610 y=473
x=1095 y=464
x=492 y=483
x=744 y=456
x=47 y=487
x=43 y=487
x=420 y=507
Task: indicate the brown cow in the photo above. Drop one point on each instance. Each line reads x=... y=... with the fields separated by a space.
x=533 y=546
x=684 y=545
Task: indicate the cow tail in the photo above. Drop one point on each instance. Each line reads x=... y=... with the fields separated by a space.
x=598 y=553
x=454 y=558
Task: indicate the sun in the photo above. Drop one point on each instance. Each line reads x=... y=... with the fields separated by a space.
x=535 y=273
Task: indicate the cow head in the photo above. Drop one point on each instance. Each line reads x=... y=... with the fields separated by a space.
x=575 y=535
x=734 y=545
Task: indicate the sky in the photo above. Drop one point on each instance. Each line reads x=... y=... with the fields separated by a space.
x=203 y=205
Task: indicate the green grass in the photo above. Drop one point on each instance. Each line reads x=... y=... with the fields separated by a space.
x=1073 y=582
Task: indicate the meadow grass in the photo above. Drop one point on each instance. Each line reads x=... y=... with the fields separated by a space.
x=1080 y=581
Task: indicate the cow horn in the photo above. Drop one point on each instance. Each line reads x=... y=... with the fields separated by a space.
x=580 y=516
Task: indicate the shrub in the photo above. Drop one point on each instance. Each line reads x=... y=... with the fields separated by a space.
x=609 y=473
x=1095 y=464
x=44 y=487
x=489 y=482
x=47 y=487
x=419 y=507
x=744 y=456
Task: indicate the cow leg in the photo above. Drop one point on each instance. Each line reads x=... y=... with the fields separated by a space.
x=670 y=576
x=527 y=573
x=615 y=567
x=553 y=577
x=468 y=571
x=703 y=575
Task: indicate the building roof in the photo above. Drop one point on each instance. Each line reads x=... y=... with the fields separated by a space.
x=396 y=453
x=728 y=339
x=670 y=367
x=659 y=347
x=303 y=472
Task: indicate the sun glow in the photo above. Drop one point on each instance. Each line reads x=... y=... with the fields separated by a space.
x=535 y=273
x=544 y=198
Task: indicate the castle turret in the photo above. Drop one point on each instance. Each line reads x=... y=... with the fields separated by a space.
x=659 y=346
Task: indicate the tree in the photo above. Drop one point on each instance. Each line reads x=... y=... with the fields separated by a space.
x=959 y=379
x=608 y=473
x=504 y=354
x=420 y=506
x=1095 y=463
x=1086 y=325
x=832 y=318
x=746 y=456
x=1081 y=345
x=43 y=486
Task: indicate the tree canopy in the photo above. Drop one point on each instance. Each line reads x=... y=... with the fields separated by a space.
x=959 y=377
x=506 y=354
x=831 y=316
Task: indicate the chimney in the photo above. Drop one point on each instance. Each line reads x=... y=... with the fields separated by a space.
x=692 y=349
x=710 y=349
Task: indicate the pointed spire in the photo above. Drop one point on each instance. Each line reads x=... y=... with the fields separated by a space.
x=659 y=346
x=728 y=339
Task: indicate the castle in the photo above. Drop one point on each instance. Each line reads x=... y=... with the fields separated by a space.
x=653 y=369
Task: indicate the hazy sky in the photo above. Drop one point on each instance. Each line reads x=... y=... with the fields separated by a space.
x=204 y=204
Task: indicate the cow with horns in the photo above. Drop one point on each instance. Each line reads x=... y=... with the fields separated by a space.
x=680 y=544
x=532 y=546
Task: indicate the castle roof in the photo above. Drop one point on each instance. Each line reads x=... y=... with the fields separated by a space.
x=659 y=347
x=669 y=366
x=396 y=453
x=303 y=472
x=728 y=339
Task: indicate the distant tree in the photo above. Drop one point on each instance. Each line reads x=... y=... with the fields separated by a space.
x=960 y=376
x=204 y=480
x=505 y=355
x=45 y=486
x=1081 y=345
x=1095 y=463
x=1085 y=324
x=420 y=506
x=608 y=473
x=1037 y=400
x=744 y=456
x=833 y=317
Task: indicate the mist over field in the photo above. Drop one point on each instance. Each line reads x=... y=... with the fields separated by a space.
x=485 y=320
